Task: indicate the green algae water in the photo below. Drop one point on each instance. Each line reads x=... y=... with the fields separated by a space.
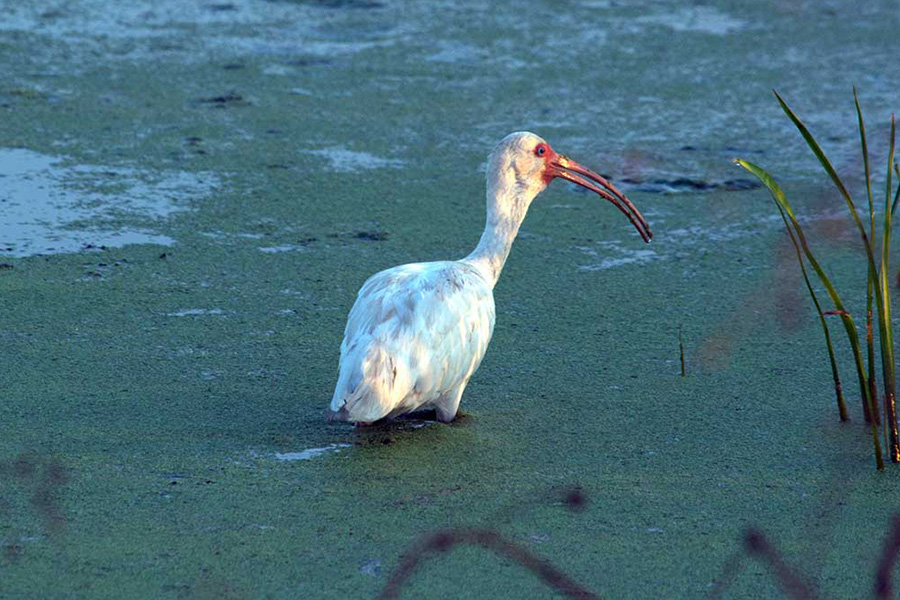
x=192 y=193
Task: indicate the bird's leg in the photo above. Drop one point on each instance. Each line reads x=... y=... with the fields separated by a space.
x=449 y=404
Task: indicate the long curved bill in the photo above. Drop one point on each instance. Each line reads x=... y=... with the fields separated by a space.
x=565 y=168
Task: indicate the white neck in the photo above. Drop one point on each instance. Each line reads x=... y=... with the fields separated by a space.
x=507 y=203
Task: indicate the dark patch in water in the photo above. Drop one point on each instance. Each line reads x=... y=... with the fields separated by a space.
x=729 y=151
x=228 y=99
x=686 y=184
x=742 y=151
x=356 y=4
x=25 y=93
x=575 y=499
x=52 y=14
x=740 y=185
x=13 y=552
x=309 y=61
x=45 y=476
x=220 y=7
x=372 y=236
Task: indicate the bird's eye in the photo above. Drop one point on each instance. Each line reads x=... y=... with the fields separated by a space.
x=540 y=150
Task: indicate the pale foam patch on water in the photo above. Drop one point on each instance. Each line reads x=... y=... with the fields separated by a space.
x=49 y=208
x=344 y=161
x=681 y=242
x=282 y=248
x=621 y=256
x=142 y=29
x=191 y=312
x=701 y=19
x=456 y=52
x=309 y=453
x=696 y=235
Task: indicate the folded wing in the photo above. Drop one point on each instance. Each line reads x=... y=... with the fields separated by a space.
x=415 y=333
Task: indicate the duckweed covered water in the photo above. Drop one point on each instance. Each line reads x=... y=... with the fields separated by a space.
x=183 y=330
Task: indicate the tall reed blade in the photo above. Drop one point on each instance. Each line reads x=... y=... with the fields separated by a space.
x=870 y=358
x=842 y=407
x=839 y=184
x=881 y=294
x=897 y=193
x=846 y=319
x=870 y=341
x=885 y=328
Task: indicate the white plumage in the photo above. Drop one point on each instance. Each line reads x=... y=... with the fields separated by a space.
x=418 y=332
x=414 y=337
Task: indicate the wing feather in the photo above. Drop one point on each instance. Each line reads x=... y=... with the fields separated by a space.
x=414 y=333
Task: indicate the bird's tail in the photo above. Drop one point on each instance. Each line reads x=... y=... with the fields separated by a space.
x=370 y=385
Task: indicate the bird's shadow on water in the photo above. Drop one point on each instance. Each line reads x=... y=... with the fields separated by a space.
x=409 y=428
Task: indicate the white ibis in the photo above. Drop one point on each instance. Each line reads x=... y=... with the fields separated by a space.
x=417 y=332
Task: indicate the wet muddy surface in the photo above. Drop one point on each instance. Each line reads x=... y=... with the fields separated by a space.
x=192 y=193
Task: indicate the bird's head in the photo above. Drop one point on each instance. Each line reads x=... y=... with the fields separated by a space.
x=525 y=163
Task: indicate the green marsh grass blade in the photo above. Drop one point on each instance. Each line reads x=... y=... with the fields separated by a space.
x=838 y=390
x=887 y=336
x=865 y=153
x=880 y=293
x=846 y=319
x=897 y=194
x=820 y=154
x=839 y=184
x=785 y=206
x=870 y=296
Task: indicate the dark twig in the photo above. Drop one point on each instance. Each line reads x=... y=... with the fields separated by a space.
x=445 y=540
x=757 y=546
x=792 y=583
x=729 y=573
x=883 y=586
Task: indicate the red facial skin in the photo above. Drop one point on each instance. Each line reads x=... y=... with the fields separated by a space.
x=550 y=157
x=557 y=165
